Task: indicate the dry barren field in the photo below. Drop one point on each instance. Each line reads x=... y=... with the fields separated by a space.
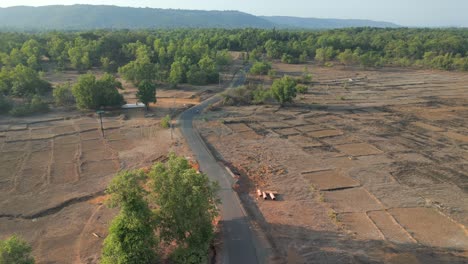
x=371 y=166
x=55 y=167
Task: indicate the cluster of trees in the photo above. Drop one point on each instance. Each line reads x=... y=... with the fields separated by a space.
x=197 y=55
x=173 y=201
x=283 y=91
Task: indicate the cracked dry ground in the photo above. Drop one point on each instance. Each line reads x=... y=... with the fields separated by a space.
x=53 y=173
x=374 y=171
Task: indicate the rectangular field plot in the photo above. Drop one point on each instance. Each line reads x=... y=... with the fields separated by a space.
x=65 y=172
x=358 y=149
x=95 y=134
x=325 y=133
x=96 y=169
x=8 y=170
x=239 y=127
x=309 y=128
x=352 y=200
x=121 y=145
x=38 y=159
x=40 y=145
x=249 y=135
x=329 y=180
x=111 y=124
x=88 y=126
x=456 y=136
x=296 y=122
x=96 y=154
x=92 y=144
x=427 y=126
x=63 y=130
x=287 y=131
x=31 y=178
x=114 y=135
x=17 y=136
x=274 y=125
x=304 y=142
x=431 y=228
x=390 y=228
x=360 y=225
x=71 y=139
x=65 y=153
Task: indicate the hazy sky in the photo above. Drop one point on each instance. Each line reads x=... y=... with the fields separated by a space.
x=403 y=12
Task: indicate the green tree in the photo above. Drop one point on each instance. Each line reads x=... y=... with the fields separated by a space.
x=131 y=238
x=22 y=81
x=177 y=74
x=108 y=65
x=260 y=68
x=63 y=95
x=15 y=250
x=196 y=76
x=146 y=92
x=324 y=54
x=92 y=93
x=347 y=57
x=284 y=90
x=137 y=71
x=186 y=208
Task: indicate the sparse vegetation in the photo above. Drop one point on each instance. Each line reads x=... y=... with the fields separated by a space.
x=166 y=121
x=34 y=106
x=302 y=89
x=260 y=68
x=245 y=95
x=333 y=216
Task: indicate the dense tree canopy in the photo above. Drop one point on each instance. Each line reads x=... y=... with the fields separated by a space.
x=185 y=207
x=92 y=93
x=185 y=219
x=196 y=56
x=131 y=237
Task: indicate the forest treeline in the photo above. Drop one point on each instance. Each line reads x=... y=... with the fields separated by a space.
x=197 y=55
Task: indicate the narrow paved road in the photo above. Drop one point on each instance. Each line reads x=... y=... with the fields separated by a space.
x=238 y=238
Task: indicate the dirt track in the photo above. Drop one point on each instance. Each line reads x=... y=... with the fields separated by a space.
x=371 y=166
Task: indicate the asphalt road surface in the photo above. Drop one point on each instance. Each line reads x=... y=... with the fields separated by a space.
x=238 y=238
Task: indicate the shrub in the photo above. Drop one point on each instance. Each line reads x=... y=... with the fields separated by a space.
x=63 y=95
x=166 y=122
x=272 y=73
x=260 y=95
x=36 y=105
x=289 y=59
x=5 y=104
x=302 y=89
x=284 y=90
x=260 y=68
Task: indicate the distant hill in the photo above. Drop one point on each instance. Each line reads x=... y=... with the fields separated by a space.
x=325 y=23
x=84 y=17
x=97 y=17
